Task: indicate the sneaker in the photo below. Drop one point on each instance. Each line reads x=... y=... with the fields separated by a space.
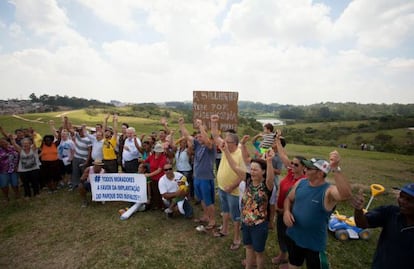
x=168 y=210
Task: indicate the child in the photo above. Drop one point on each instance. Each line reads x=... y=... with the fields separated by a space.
x=268 y=137
x=182 y=186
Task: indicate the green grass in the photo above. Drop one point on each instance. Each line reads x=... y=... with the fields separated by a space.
x=53 y=231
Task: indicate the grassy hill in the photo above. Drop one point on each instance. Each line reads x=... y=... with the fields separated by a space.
x=53 y=231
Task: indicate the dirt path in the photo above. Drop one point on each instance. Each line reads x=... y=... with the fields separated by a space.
x=39 y=120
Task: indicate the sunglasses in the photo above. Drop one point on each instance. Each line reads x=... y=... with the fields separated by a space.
x=167 y=169
x=294 y=164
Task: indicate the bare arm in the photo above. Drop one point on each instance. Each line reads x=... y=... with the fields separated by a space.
x=281 y=150
x=245 y=151
x=184 y=130
x=105 y=122
x=3 y=132
x=204 y=134
x=85 y=174
x=115 y=123
x=357 y=202
x=270 y=170
x=342 y=189
x=214 y=130
x=288 y=217
x=13 y=142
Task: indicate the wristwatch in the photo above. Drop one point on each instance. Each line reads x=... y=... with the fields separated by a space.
x=337 y=169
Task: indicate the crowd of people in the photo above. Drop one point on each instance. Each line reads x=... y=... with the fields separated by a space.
x=195 y=167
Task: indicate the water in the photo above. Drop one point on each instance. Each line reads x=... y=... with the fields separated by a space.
x=275 y=122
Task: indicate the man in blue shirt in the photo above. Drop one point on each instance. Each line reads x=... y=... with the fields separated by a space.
x=307 y=209
x=396 y=242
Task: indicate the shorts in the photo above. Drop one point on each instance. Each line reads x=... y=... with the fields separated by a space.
x=229 y=204
x=65 y=169
x=7 y=179
x=298 y=255
x=204 y=190
x=255 y=235
x=87 y=186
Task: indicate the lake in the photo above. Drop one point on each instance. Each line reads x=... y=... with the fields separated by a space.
x=275 y=122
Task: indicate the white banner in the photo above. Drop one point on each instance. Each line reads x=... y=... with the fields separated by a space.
x=119 y=187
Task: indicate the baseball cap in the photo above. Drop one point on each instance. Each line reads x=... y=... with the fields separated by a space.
x=320 y=164
x=408 y=189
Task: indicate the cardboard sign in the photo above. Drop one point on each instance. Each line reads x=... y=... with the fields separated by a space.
x=224 y=104
x=119 y=187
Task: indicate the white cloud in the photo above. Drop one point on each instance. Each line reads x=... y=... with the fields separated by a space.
x=15 y=30
x=46 y=19
x=379 y=24
x=270 y=51
x=283 y=22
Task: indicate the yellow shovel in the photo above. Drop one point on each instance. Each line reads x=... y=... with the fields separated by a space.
x=376 y=189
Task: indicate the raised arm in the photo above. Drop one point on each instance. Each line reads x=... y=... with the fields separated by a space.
x=215 y=130
x=3 y=132
x=281 y=150
x=342 y=189
x=105 y=122
x=164 y=123
x=269 y=170
x=245 y=151
x=115 y=125
x=184 y=130
x=53 y=129
x=13 y=142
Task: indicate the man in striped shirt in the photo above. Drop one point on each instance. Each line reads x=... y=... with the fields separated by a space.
x=82 y=156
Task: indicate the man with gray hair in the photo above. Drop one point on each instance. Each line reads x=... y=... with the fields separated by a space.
x=228 y=182
x=130 y=152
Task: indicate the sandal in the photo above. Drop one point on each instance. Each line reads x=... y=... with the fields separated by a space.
x=210 y=226
x=235 y=246
x=219 y=234
x=277 y=260
x=200 y=221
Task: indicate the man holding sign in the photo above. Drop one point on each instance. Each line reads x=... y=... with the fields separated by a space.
x=85 y=184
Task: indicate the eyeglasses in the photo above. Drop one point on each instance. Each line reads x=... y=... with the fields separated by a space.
x=168 y=169
x=294 y=164
x=230 y=142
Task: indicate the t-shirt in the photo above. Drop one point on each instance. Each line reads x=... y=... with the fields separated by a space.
x=204 y=159
x=65 y=149
x=285 y=186
x=226 y=175
x=155 y=163
x=108 y=149
x=255 y=202
x=311 y=218
x=396 y=242
x=166 y=185
x=9 y=159
x=49 y=153
x=28 y=161
x=82 y=145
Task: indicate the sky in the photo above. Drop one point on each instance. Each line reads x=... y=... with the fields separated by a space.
x=297 y=52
